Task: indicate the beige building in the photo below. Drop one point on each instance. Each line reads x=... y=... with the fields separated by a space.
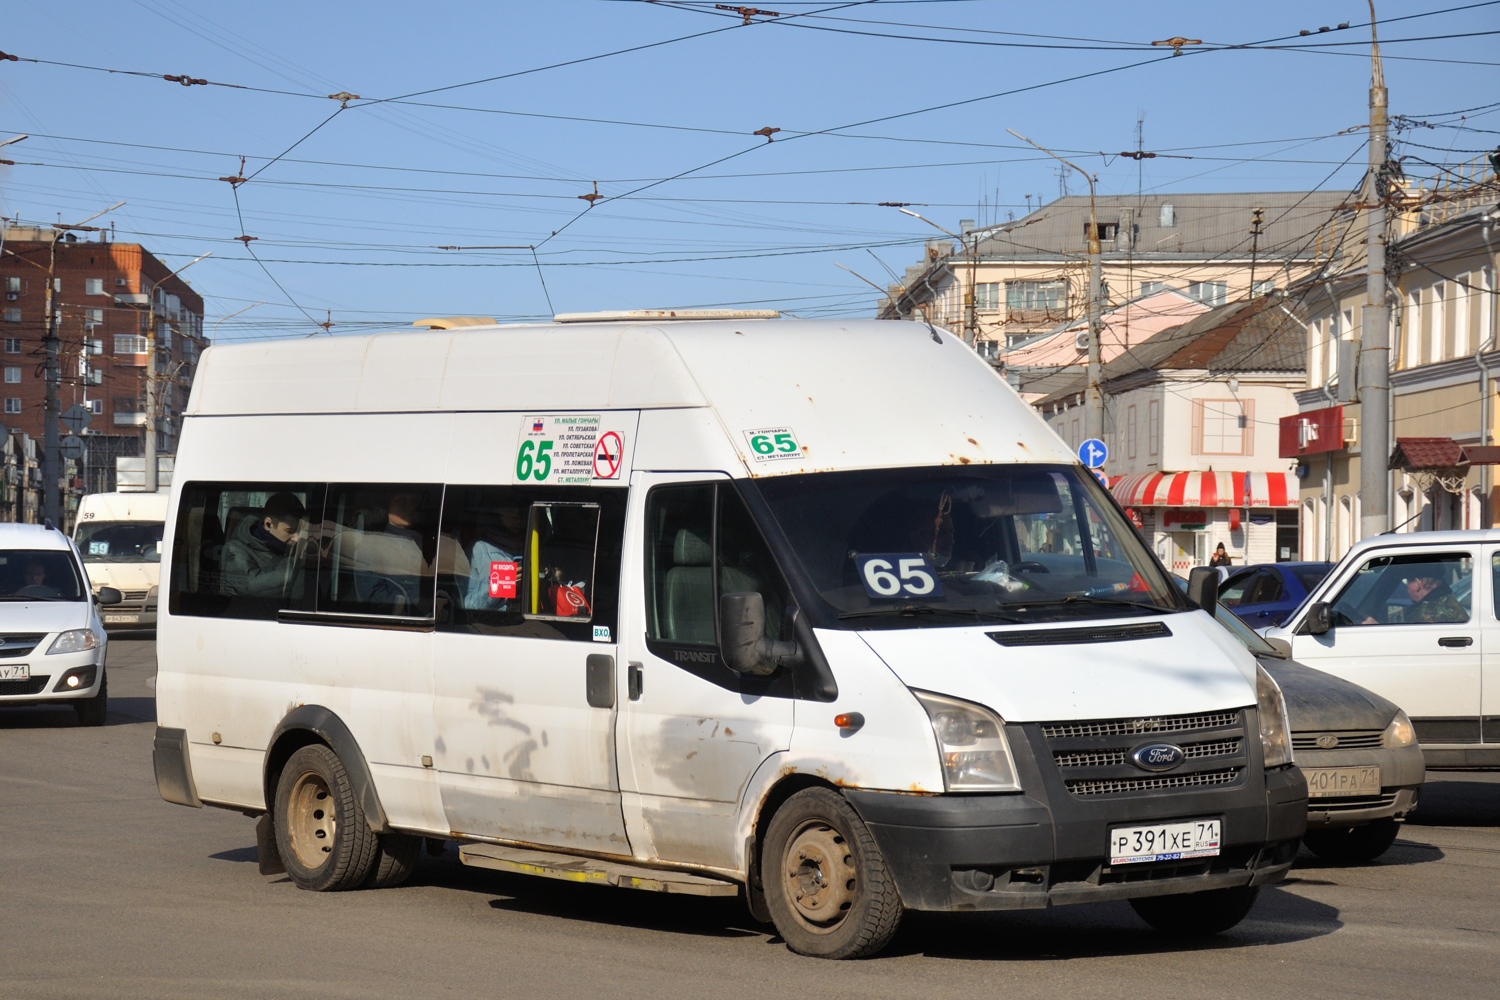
x=1030 y=276
x=1443 y=255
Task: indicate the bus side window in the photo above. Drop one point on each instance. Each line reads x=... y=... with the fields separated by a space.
x=243 y=550
x=561 y=543
x=381 y=549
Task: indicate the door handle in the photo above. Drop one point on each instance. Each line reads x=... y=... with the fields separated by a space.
x=635 y=681
x=1458 y=641
x=599 y=680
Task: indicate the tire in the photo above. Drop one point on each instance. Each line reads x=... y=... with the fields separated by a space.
x=1197 y=914
x=1362 y=843
x=819 y=858
x=395 y=859
x=321 y=832
x=92 y=711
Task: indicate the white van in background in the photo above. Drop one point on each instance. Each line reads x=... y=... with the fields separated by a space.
x=819 y=612
x=119 y=536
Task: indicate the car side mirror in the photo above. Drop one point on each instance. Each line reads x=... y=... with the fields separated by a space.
x=1203 y=588
x=1281 y=646
x=108 y=596
x=1318 y=621
x=742 y=634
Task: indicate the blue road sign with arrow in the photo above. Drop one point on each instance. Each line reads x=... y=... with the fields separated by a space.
x=1093 y=453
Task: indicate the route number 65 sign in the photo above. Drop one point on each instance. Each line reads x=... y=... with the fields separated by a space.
x=891 y=576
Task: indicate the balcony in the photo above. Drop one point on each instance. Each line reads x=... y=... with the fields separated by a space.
x=130 y=420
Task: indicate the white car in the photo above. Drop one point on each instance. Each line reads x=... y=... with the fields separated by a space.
x=1413 y=617
x=52 y=643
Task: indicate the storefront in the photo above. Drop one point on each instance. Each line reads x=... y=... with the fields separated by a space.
x=1184 y=516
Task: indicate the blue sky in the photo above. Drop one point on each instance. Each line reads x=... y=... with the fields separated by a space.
x=351 y=222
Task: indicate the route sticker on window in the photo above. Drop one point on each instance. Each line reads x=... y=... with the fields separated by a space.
x=557 y=448
x=771 y=444
x=503 y=580
x=895 y=576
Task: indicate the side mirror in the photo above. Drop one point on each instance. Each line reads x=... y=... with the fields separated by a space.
x=1281 y=646
x=108 y=596
x=1203 y=588
x=742 y=634
x=1319 y=619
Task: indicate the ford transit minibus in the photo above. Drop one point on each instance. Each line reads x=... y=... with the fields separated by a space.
x=816 y=613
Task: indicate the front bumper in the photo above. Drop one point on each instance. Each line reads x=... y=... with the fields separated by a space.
x=48 y=680
x=1401 y=773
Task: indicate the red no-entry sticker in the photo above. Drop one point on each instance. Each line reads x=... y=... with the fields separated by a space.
x=607 y=454
x=502 y=580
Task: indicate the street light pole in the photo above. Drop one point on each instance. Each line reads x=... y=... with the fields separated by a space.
x=1374 y=320
x=971 y=253
x=52 y=375
x=1093 y=414
x=152 y=479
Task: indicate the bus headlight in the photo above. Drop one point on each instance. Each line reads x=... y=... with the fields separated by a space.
x=1275 y=733
x=971 y=745
x=1399 y=733
x=76 y=640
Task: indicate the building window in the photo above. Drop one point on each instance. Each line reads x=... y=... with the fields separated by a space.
x=1107 y=230
x=11 y=316
x=129 y=343
x=12 y=404
x=129 y=405
x=96 y=406
x=12 y=374
x=95 y=347
x=13 y=285
x=164 y=336
x=987 y=296
x=94 y=317
x=1263 y=287
x=1035 y=301
x=1152 y=287
x=93 y=286
x=12 y=345
x=1130 y=435
x=1166 y=216
x=1223 y=427
x=1153 y=426
x=1210 y=293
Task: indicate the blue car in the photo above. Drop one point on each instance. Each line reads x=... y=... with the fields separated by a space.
x=1264 y=595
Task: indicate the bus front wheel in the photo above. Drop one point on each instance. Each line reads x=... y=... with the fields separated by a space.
x=325 y=842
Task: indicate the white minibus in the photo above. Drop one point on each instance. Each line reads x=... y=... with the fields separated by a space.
x=120 y=538
x=816 y=612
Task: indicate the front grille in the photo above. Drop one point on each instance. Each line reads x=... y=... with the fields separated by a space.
x=1114 y=758
x=19 y=643
x=1349 y=739
x=34 y=685
x=1351 y=804
x=1116 y=786
x=1075 y=636
x=1140 y=727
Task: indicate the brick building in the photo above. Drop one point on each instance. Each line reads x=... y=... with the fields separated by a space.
x=101 y=299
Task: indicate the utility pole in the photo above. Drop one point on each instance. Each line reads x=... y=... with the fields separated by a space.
x=152 y=479
x=1257 y=220
x=52 y=375
x=1093 y=414
x=971 y=248
x=1374 y=321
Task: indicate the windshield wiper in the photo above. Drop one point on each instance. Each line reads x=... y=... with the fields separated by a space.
x=13 y=597
x=912 y=610
x=1115 y=602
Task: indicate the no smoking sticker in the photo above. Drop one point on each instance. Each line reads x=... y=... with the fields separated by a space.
x=608 y=453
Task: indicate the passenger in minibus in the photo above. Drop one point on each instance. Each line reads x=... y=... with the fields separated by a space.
x=260 y=558
x=495 y=562
x=392 y=562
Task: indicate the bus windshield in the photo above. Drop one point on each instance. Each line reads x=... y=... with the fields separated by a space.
x=120 y=541
x=996 y=542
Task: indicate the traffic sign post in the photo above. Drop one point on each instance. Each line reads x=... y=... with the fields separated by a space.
x=1093 y=453
x=71 y=448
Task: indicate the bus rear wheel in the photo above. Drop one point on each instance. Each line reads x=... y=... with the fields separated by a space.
x=321 y=832
x=826 y=882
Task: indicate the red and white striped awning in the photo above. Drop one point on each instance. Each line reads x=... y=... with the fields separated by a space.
x=1207 y=489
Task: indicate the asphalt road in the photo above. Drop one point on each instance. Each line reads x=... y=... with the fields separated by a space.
x=106 y=891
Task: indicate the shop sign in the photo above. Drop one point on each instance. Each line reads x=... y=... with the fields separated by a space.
x=1134 y=517
x=1184 y=518
x=1313 y=432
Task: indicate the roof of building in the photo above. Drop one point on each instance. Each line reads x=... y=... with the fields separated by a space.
x=1176 y=225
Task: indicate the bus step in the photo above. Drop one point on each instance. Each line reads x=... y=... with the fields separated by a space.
x=591 y=870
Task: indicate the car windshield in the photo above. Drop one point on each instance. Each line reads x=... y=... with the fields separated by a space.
x=1244 y=633
x=994 y=542
x=120 y=541
x=39 y=575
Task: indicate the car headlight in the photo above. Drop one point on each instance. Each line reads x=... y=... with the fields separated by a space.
x=75 y=640
x=971 y=744
x=1275 y=733
x=1399 y=733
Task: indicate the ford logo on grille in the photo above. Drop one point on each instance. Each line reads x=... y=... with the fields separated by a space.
x=1157 y=756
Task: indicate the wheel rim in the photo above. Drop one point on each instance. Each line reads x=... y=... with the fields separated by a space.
x=819 y=876
x=311 y=820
